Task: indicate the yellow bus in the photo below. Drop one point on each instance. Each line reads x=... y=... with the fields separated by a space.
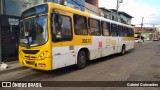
x=53 y=36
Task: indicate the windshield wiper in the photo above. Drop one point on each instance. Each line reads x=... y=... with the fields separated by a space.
x=27 y=35
x=28 y=44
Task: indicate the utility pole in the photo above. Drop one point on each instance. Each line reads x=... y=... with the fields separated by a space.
x=142 y=22
x=141 y=28
x=118 y=1
x=117 y=10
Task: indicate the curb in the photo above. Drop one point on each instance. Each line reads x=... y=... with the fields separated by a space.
x=11 y=70
x=12 y=66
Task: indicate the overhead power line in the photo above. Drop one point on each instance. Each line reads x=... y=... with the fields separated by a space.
x=154 y=17
x=125 y=3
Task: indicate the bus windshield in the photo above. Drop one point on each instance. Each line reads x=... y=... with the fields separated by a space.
x=33 y=31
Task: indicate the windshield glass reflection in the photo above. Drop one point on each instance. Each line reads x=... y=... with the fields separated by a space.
x=33 y=32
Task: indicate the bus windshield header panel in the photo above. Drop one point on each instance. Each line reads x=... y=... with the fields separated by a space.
x=35 y=11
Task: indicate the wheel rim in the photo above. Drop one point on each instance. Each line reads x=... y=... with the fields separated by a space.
x=123 y=51
x=82 y=59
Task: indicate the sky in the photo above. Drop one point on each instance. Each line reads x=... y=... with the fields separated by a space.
x=149 y=9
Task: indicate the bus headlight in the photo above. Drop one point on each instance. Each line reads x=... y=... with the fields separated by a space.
x=43 y=54
x=21 y=55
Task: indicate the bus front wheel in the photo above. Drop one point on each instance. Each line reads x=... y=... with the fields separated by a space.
x=81 y=60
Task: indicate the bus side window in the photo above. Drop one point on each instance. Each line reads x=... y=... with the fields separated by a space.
x=80 y=25
x=94 y=26
x=114 y=31
x=105 y=28
x=132 y=32
x=61 y=28
x=128 y=32
x=120 y=31
x=125 y=31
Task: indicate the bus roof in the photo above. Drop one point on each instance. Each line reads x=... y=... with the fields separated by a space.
x=75 y=11
x=110 y=21
x=68 y=9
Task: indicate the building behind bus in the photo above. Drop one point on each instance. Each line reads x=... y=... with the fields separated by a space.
x=10 y=12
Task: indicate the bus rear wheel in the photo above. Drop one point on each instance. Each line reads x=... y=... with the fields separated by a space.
x=123 y=50
x=81 y=60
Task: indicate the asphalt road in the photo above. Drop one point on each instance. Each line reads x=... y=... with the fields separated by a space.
x=140 y=64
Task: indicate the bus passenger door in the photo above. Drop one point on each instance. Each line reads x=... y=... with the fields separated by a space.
x=62 y=47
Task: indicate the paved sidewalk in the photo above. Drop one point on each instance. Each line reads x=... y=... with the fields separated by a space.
x=12 y=66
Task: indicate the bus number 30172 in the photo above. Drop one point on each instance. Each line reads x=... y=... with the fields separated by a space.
x=86 y=40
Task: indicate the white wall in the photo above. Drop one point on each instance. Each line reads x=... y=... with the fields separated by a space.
x=16 y=7
x=93 y=8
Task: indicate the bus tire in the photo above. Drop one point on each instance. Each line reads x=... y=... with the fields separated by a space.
x=123 y=50
x=81 y=60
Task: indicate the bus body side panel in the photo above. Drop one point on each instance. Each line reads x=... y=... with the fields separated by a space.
x=111 y=46
x=63 y=56
x=132 y=42
x=95 y=48
x=129 y=42
x=115 y=44
x=65 y=53
x=106 y=46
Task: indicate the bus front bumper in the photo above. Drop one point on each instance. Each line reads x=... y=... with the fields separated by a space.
x=37 y=64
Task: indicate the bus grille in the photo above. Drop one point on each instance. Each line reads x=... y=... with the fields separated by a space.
x=30 y=57
x=30 y=62
x=30 y=51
